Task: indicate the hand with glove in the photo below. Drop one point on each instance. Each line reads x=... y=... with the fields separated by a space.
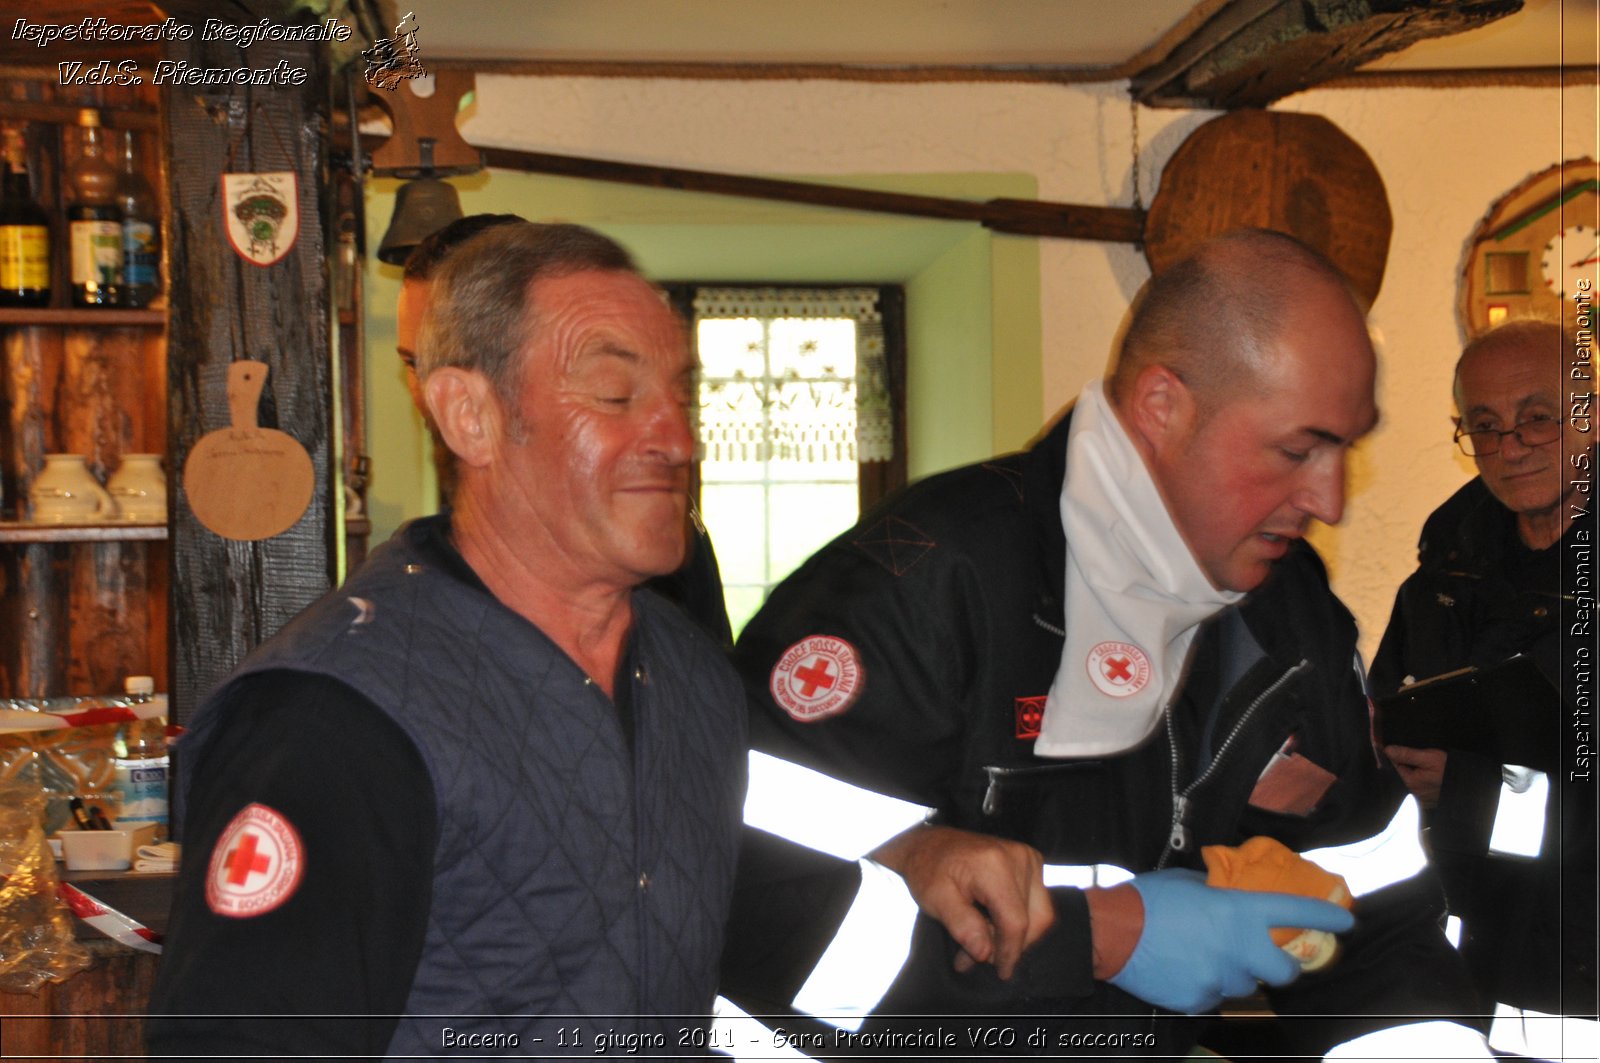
x=1199 y=944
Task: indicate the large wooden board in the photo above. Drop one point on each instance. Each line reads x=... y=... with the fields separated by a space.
x=1295 y=173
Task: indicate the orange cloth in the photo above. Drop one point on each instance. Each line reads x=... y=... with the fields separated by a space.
x=1269 y=866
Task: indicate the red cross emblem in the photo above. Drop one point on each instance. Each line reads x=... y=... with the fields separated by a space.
x=1030 y=716
x=244 y=860
x=1118 y=669
x=817 y=677
x=256 y=864
x=813 y=676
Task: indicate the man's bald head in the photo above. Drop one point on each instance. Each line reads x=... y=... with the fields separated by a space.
x=1538 y=340
x=1213 y=317
x=1245 y=376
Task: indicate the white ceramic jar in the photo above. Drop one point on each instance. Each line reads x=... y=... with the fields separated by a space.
x=66 y=492
x=140 y=489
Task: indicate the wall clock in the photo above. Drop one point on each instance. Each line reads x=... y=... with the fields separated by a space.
x=1528 y=254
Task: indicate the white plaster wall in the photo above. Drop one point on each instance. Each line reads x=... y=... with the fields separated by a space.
x=1445 y=155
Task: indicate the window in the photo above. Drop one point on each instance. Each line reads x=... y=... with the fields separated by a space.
x=801 y=422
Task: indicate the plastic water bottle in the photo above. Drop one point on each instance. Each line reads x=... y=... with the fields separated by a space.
x=140 y=762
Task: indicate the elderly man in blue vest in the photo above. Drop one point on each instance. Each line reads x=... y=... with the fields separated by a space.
x=487 y=794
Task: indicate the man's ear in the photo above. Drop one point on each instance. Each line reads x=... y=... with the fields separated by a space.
x=467 y=412
x=1160 y=408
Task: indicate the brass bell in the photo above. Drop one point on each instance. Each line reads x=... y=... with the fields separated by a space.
x=422 y=207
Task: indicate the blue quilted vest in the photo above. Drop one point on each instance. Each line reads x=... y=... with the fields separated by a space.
x=578 y=890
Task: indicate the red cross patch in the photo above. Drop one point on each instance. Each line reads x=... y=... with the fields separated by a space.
x=817 y=677
x=1030 y=715
x=1118 y=669
x=256 y=865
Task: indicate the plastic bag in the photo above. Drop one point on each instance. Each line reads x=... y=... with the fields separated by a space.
x=36 y=933
x=68 y=742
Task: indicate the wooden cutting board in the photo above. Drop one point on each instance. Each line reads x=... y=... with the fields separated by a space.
x=1296 y=173
x=244 y=481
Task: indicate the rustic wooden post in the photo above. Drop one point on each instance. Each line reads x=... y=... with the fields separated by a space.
x=230 y=595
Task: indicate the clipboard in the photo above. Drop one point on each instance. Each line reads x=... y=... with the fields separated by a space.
x=1508 y=713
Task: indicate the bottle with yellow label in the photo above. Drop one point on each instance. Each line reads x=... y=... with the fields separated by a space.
x=24 y=230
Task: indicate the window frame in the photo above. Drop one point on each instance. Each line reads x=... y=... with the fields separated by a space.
x=875 y=480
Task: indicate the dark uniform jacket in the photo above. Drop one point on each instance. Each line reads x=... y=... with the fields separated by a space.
x=950 y=595
x=581 y=870
x=1479 y=596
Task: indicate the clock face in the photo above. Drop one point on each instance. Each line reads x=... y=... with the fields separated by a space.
x=1570 y=254
x=1529 y=252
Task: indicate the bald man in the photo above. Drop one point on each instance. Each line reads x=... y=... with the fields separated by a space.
x=1115 y=648
x=1489 y=585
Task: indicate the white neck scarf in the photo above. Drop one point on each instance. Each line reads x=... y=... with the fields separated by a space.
x=1134 y=594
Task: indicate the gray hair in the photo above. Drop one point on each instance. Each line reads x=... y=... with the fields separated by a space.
x=1213 y=317
x=481 y=314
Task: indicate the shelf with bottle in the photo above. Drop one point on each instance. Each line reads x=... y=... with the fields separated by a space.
x=80 y=218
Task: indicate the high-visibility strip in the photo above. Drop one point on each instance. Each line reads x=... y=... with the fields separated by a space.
x=1519 y=817
x=823 y=813
x=110 y=922
x=861 y=962
x=1084 y=876
x=1540 y=1036
x=1392 y=855
x=872 y=942
x=1437 y=1040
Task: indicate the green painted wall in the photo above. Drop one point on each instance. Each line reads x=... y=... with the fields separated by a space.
x=975 y=364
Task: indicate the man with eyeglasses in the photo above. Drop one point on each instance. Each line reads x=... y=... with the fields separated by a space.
x=1495 y=579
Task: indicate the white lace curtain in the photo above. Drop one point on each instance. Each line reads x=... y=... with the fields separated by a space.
x=810 y=413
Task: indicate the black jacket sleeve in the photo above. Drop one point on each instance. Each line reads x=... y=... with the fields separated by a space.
x=343 y=943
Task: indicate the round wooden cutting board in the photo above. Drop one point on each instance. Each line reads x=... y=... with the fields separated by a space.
x=1296 y=173
x=244 y=481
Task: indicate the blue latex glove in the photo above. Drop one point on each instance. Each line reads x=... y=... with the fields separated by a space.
x=1201 y=944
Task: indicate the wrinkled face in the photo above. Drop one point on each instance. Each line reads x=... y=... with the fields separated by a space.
x=1507 y=387
x=601 y=464
x=407 y=327
x=1245 y=481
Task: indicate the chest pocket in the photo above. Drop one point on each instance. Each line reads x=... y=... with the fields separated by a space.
x=1291 y=785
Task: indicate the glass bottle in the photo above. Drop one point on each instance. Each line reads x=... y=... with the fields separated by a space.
x=24 y=232
x=141 y=229
x=139 y=762
x=94 y=224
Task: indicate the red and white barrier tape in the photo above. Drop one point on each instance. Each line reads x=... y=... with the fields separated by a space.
x=110 y=922
x=24 y=720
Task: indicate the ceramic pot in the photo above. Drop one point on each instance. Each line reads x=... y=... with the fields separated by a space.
x=66 y=492
x=140 y=489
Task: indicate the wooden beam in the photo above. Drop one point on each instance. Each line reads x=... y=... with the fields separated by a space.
x=1255 y=51
x=229 y=595
x=1017 y=217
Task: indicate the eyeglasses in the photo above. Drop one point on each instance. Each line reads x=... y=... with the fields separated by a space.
x=1482 y=442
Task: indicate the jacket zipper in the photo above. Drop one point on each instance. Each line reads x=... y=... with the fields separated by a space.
x=1179 y=838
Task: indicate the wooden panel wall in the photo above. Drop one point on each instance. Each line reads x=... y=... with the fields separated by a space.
x=230 y=595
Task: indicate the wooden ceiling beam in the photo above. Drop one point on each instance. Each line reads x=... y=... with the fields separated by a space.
x=1252 y=52
x=1017 y=217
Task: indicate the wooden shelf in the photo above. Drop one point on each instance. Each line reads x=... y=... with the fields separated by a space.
x=17 y=531
x=28 y=315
